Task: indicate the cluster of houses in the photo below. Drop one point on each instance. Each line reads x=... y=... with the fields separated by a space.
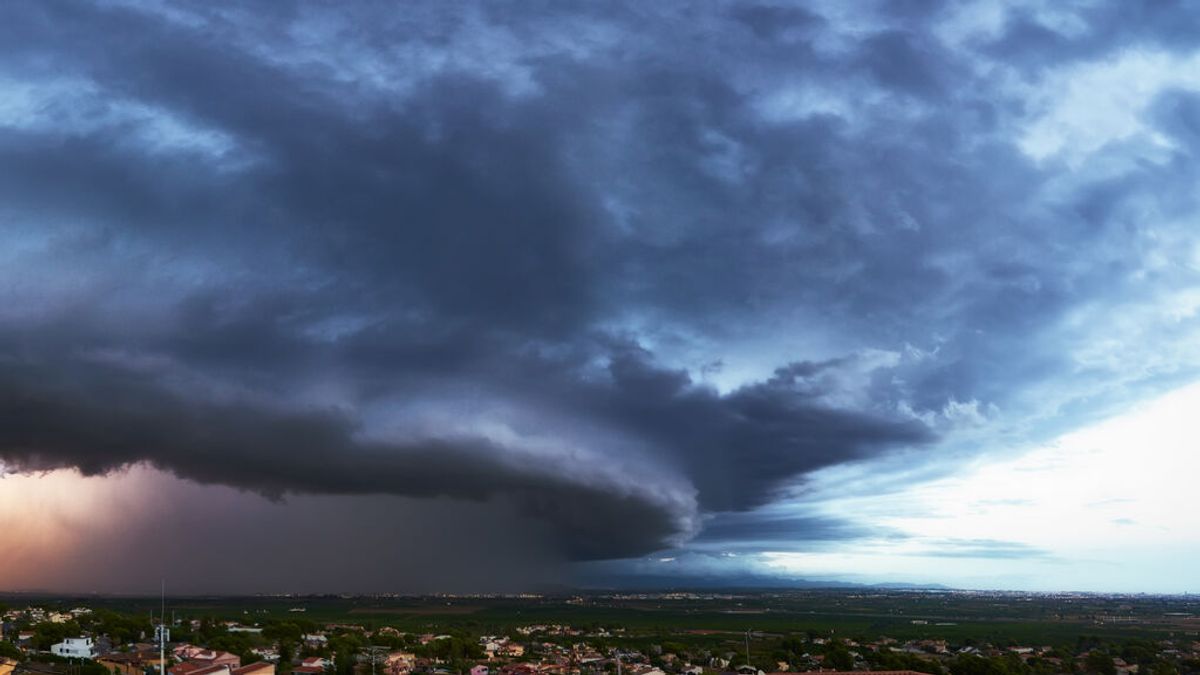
x=43 y=615
x=142 y=658
x=132 y=659
x=194 y=660
x=540 y=649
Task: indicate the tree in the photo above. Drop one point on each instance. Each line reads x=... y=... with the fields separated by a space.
x=9 y=650
x=47 y=634
x=969 y=664
x=345 y=648
x=839 y=657
x=283 y=631
x=1100 y=662
x=1164 y=668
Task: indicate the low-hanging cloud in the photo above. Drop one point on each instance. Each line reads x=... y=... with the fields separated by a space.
x=99 y=413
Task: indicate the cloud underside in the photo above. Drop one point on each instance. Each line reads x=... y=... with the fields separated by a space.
x=90 y=414
x=637 y=277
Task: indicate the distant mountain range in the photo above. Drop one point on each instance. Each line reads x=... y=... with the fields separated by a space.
x=660 y=582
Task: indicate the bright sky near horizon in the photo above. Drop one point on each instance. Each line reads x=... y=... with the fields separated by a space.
x=1111 y=507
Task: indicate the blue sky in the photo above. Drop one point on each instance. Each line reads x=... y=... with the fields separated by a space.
x=864 y=292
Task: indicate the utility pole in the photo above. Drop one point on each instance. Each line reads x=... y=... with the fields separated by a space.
x=373 y=653
x=747 y=646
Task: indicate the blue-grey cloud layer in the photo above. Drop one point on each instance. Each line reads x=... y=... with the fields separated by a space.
x=625 y=266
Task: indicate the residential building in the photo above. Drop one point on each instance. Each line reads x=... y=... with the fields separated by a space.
x=195 y=669
x=131 y=663
x=215 y=658
x=75 y=648
x=260 y=668
x=399 y=663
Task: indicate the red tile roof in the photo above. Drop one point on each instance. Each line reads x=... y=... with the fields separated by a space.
x=199 y=669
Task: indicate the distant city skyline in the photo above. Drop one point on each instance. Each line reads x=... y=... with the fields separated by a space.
x=365 y=297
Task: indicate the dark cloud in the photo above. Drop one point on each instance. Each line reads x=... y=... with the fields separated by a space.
x=783 y=531
x=1034 y=39
x=901 y=61
x=99 y=419
x=740 y=447
x=491 y=252
x=101 y=411
x=772 y=22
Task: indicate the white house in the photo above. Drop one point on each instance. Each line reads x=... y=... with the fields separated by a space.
x=77 y=648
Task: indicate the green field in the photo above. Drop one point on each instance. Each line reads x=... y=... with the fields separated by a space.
x=1000 y=619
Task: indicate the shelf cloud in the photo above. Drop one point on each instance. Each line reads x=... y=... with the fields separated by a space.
x=638 y=273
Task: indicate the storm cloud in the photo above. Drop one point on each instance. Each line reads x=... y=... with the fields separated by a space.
x=631 y=271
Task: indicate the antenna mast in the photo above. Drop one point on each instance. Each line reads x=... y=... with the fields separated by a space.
x=162 y=630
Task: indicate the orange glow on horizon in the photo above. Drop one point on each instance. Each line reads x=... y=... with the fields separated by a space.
x=47 y=519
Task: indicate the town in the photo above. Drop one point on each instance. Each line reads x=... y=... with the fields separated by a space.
x=459 y=636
